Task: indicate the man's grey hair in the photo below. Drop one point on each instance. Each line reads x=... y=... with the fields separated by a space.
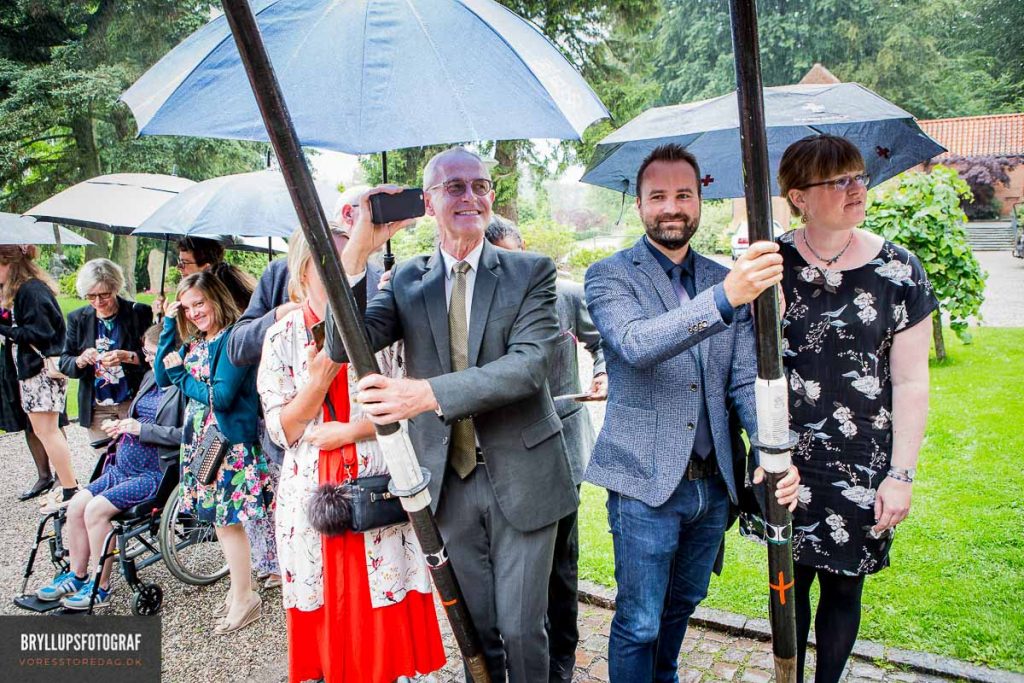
x=430 y=170
x=99 y=271
x=500 y=229
x=349 y=197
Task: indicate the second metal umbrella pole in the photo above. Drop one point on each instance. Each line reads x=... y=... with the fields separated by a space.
x=405 y=471
x=773 y=440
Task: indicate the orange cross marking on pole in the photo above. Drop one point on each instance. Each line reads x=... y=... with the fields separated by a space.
x=782 y=587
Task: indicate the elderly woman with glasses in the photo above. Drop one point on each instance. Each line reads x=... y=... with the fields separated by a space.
x=856 y=330
x=103 y=349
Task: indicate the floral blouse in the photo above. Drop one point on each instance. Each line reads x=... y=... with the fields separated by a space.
x=394 y=561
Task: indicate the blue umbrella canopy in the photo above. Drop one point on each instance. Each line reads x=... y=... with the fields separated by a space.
x=15 y=229
x=373 y=75
x=253 y=204
x=887 y=136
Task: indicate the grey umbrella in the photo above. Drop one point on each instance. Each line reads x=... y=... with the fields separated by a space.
x=887 y=136
x=15 y=229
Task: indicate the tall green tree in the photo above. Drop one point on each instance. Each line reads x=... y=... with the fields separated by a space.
x=63 y=64
x=925 y=55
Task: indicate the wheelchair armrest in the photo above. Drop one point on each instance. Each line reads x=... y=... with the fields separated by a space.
x=101 y=443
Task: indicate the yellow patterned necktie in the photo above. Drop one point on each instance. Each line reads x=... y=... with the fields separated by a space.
x=463 y=448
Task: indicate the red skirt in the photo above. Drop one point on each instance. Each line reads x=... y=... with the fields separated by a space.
x=347 y=640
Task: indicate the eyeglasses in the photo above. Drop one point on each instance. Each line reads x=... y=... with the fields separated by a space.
x=841 y=184
x=457 y=187
x=148 y=353
x=99 y=296
x=183 y=262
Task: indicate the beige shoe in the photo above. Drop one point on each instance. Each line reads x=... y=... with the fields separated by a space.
x=223 y=610
x=253 y=614
x=273 y=581
x=54 y=500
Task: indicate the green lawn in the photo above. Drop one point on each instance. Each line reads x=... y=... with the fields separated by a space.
x=68 y=304
x=956 y=584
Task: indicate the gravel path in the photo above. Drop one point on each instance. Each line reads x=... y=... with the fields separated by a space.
x=1004 y=290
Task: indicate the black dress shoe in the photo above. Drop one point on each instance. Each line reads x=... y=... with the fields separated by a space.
x=40 y=487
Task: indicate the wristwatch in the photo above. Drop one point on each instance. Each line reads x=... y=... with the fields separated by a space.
x=903 y=474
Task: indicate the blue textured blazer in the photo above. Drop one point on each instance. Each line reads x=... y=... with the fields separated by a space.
x=235 y=401
x=654 y=377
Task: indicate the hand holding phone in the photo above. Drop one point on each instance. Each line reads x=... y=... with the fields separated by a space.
x=389 y=208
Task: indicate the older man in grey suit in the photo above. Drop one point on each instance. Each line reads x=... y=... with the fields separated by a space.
x=679 y=344
x=575 y=326
x=479 y=326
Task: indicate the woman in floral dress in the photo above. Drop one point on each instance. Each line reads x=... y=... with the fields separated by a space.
x=857 y=328
x=358 y=606
x=222 y=395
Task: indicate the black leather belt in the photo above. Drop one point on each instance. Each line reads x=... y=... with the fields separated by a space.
x=702 y=468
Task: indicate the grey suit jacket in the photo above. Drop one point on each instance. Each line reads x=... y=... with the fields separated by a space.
x=654 y=375
x=170 y=417
x=574 y=325
x=512 y=331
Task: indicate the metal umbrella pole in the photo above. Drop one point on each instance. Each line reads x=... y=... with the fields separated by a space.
x=407 y=477
x=389 y=256
x=773 y=440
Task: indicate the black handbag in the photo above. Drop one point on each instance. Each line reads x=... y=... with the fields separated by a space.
x=213 y=445
x=361 y=504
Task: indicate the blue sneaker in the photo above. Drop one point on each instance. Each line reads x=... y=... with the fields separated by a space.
x=80 y=600
x=65 y=584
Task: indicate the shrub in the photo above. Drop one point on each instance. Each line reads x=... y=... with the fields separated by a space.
x=547 y=237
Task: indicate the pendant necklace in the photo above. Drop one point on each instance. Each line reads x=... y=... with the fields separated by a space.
x=828 y=261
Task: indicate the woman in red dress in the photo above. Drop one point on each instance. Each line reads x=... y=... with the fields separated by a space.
x=359 y=605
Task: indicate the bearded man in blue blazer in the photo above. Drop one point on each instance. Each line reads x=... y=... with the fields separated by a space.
x=678 y=340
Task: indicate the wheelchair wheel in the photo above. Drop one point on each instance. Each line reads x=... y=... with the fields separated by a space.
x=189 y=546
x=148 y=600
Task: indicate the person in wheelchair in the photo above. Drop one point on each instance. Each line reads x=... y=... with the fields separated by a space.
x=152 y=430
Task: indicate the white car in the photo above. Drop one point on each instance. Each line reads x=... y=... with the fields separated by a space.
x=739 y=238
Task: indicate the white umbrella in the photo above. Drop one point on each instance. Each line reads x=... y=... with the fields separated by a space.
x=253 y=204
x=116 y=203
x=15 y=229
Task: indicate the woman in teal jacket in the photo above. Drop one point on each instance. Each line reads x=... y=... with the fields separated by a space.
x=224 y=395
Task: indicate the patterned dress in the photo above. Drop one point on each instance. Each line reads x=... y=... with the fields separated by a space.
x=135 y=474
x=838 y=333
x=242 y=489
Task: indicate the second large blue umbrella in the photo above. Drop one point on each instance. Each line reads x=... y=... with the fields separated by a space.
x=888 y=137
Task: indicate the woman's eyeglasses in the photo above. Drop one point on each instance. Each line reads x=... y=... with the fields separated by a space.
x=457 y=188
x=842 y=184
x=99 y=296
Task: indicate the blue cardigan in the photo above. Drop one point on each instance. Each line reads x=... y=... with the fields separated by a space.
x=235 y=401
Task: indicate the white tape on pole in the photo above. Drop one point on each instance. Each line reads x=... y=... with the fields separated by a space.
x=771 y=399
x=404 y=467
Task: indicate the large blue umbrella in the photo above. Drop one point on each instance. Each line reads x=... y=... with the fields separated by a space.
x=887 y=136
x=366 y=76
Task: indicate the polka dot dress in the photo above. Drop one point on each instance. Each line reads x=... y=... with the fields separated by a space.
x=134 y=477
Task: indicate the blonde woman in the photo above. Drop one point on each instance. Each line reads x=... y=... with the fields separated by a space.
x=358 y=605
x=202 y=315
x=37 y=332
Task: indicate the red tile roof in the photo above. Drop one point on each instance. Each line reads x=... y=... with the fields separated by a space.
x=1000 y=134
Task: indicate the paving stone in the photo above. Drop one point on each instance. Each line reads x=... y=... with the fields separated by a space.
x=868 y=649
x=755 y=676
x=724 y=671
x=599 y=671
x=710 y=646
x=735 y=655
x=763 y=660
x=596 y=643
x=700 y=660
x=868 y=671
x=690 y=676
x=583 y=659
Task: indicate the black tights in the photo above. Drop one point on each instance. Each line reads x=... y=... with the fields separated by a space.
x=835 y=625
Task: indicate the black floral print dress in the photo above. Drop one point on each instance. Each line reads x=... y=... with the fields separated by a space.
x=837 y=336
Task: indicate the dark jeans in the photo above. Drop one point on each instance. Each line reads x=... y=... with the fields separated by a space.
x=563 y=600
x=663 y=561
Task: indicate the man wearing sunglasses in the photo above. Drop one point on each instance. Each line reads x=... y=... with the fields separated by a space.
x=479 y=325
